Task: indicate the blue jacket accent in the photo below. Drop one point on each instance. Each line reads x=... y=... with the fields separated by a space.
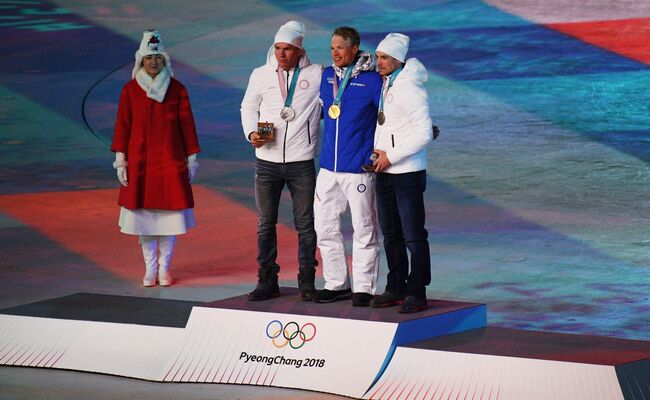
x=355 y=127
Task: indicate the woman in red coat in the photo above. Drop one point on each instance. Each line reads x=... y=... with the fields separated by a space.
x=155 y=145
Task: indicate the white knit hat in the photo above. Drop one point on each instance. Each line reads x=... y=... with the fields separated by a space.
x=151 y=44
x=395 y=45
x=292 y=32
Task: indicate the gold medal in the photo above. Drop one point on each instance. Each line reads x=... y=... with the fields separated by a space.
x=334 y=111
x=381 y=118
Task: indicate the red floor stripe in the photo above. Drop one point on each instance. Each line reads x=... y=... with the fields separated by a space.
x=221 y=249
x=627 y=37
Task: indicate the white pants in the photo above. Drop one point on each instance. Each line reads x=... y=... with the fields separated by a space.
x=334 y=192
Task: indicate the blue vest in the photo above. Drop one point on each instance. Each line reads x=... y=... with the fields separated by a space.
x=355 y=127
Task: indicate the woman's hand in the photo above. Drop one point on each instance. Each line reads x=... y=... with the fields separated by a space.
x=120 y=165
x=192 y=167
x=122 y=176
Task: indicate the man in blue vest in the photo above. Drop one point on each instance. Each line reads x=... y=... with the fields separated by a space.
x=350 y=91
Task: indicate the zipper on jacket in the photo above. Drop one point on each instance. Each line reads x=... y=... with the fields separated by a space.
x=286 y=130
x=336 y=137
x=284 y=144
x=336 y=145
x=308 y=133
x=392 y=139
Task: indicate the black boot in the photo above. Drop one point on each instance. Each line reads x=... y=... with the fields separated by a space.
x=267 y=284
x=306 y=286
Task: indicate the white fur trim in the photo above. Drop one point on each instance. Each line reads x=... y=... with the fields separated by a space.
x=151 y=43
x=120 y=160
x=156 y=88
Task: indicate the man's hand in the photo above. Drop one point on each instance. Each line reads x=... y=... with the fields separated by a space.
x=382 y=162
x=257 y=140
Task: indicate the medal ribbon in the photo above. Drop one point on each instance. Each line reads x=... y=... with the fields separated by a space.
x=391 y=79
x=335 y=87
x=288 y=97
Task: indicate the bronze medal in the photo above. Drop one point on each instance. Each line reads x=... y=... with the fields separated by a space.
x=381 y=118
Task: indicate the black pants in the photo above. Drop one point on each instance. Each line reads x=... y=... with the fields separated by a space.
x=400 y=206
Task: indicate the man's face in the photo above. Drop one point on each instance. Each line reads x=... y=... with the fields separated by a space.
x=342 y=52
x=153 y=64
x=287 y=55
x=386 y=64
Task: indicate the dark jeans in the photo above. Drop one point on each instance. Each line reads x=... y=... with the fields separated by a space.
x=400 y=206
x=270 y=178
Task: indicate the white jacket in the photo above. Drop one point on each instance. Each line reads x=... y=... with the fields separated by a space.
x=295 y=140
x=408 y=128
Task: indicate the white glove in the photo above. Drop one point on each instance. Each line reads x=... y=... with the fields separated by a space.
x=122 y=177
x=120 y=165
x=192 y=166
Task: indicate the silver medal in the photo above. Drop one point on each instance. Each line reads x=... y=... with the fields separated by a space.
x=287 y=114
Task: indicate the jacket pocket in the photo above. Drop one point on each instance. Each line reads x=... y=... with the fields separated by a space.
x=308 y=133
x=392 y=140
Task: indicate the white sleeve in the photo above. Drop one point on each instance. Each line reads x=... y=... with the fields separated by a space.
x=250 y=106
x=416 y=105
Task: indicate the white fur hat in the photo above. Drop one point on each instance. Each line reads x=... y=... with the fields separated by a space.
x=395 y=45
x=151 y=44
x=292 y=32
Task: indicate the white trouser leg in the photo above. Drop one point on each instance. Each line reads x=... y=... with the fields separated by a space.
x=360 y=192
x=150 y=252
x=166 y=251
x=329 y=204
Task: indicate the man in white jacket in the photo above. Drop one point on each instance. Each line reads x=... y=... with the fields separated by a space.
x=403 y=131
x=284 y=92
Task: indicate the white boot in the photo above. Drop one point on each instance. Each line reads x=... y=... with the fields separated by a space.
x=166 y=251
x=150 y=253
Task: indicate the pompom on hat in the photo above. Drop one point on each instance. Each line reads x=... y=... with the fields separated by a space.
x=151 y=43
x=395 y=45
x=293 y=32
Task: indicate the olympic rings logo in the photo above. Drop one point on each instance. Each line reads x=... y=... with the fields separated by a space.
x=290 y=334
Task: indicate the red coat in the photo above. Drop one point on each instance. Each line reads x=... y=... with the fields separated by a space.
x=156 y=138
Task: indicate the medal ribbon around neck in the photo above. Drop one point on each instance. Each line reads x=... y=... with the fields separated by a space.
x=335 y=109
x=384 y=93
x=287 y=112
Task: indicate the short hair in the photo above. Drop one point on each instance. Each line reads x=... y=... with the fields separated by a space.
x=349 y=34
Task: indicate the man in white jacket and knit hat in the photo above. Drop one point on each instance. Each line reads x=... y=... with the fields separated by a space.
x=403 y=131
x=284 y=92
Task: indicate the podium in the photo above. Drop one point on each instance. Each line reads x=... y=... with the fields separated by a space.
x=444 y=352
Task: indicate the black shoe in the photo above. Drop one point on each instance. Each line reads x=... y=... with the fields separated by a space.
x=387 y=299
x=361 y=299
x=330 y=296
x=413 y=304
x=264 y=291
x=308 y=295
x=306 y=283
